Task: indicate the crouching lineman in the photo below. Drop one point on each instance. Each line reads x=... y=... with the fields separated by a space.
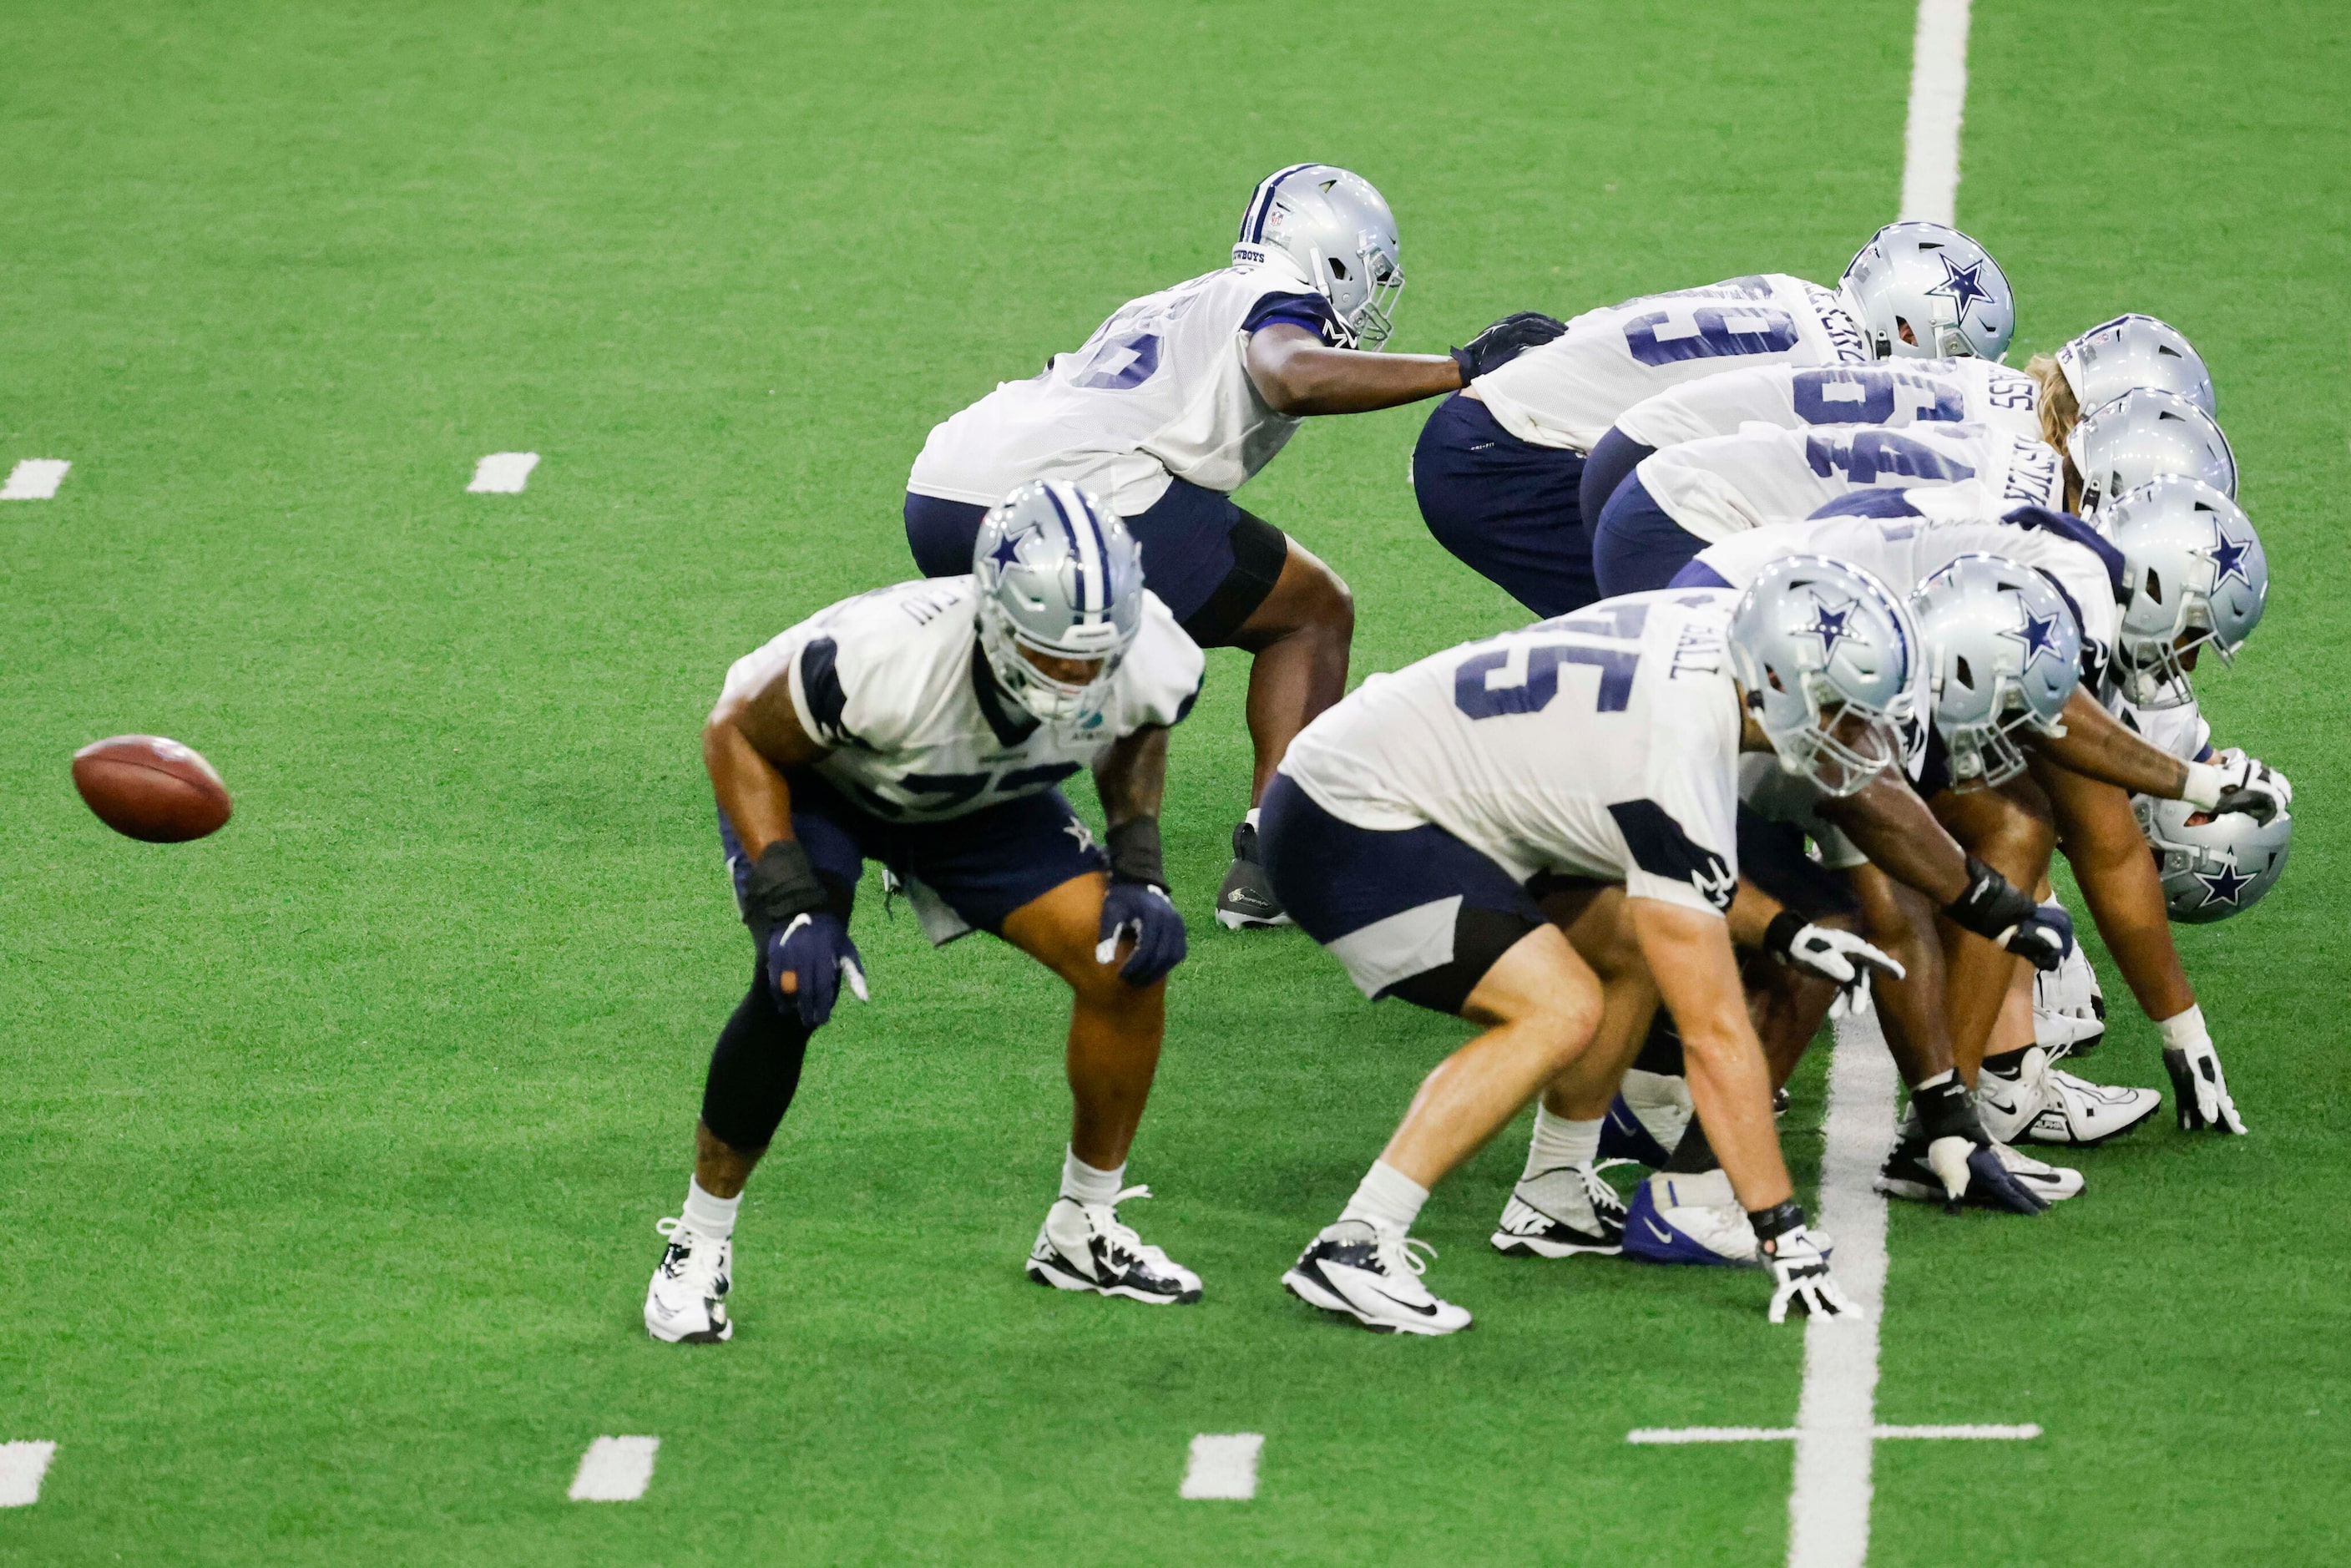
x=926 y=727
x=1177 y=402
x=1599 y=752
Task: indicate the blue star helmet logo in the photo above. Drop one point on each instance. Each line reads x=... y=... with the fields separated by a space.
x=2224 y=885
x=2039 y=635
x=2229 y=558
x=1006 y=553
x=1963 y=286
x=1830 y=626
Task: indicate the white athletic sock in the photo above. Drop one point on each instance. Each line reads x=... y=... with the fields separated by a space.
x=712 y=1219
x=1251 y=817
x=1387 y=1200
x=1559 y=1141
x=1082 y=1182
x=2185 y=1031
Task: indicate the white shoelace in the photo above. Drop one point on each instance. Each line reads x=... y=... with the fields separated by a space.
x=1106 y=1220
x=702 y=1254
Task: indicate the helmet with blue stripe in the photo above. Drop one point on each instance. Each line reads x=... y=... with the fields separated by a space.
x=2004 y=655
x=2193 y=572
x=1825 y=654
x=2213 y=867
x=2144 y=435
x=1337 y=230
x=1061 y=580
x=1936 y=282
x=2131 y=351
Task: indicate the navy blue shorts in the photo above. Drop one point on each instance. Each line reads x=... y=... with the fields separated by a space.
x=1637 y=546
x=1415 y=913
x=982 y=866
x=1505 y=507
x=1613 y=457
x=1211 y=563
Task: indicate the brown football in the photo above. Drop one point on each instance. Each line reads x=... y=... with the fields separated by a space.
x=146 y=787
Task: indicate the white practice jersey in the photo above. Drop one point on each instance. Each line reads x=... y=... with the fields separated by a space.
x=1896 y=393
x=1568 y=392
x=1602 y=744
x=893 y=680
x=1727 y=485
x=1160 y=390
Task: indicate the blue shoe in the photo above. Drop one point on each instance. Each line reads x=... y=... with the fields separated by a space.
x=1689 y=1219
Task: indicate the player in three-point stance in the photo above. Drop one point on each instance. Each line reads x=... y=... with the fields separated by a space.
x=1537 y=833
x=1174 y=402
x=927 y=727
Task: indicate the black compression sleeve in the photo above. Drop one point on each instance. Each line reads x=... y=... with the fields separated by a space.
x=1136 y=854
x=1991 y=903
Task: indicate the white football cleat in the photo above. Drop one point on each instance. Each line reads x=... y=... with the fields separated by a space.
x=2069 y=1010
x=1561 y=1212
x=687 y=1302
x=2054 y=1183
x=1374 y=1277
x=2041 y=1104
x=1084 y=1247
x=1689 y=1219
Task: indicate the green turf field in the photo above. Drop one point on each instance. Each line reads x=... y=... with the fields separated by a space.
x=330 y=1148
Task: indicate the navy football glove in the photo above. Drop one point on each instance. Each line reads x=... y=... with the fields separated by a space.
x=816 y=951
x=1137 y=905
x=1992 y=908
x=1505 y=341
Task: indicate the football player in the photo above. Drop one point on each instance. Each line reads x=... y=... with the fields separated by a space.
x=1177 y=400
x=927 y=727
x=1499 y=471
x=1535 y=833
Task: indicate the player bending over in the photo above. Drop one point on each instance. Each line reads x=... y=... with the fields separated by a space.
x=927 y=727
x=1599 y=752
x=1501 y=471
x=1177 y=402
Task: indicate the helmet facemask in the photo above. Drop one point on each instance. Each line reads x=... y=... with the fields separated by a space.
x=1841 y=745
x=1046 y=697
x=1059 y=578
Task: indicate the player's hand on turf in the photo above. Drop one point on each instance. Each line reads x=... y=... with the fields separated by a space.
x=1144 y=912
x=1802 y=1283
x=1972 y=1169
x=1505 y=341
x=2041 y=938
x=816 y=952
x=2251 y=785
x=2199 y=1090
x=1834 y=954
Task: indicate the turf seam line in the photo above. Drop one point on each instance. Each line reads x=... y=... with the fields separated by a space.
x=35 y=479
x=503 y=474
x=1222 y=1466
x=22 y=1466
x=615 y=1469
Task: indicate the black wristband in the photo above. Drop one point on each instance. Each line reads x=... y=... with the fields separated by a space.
x=1467 y=360
x=1134 y=852
x=1776 y=1222
x=781 y=886
x=1779 y=937
x=1944 y=1111
x=1991 y=903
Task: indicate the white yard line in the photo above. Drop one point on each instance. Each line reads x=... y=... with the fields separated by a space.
x=615 y=1469
x=22 y=1466
x=1789 y=1434
x=1223 y=1465
x=502 y=473
x=35 y=479
x=1938 y=93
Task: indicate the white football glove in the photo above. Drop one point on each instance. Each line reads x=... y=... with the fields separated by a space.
x=1800 y=1267
x=1843 y=958
x=2234 y=781
x=2199 y=1090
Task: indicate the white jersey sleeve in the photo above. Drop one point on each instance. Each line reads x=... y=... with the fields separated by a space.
x=1794 y=397
x=1161 y=390
x=1602 y=743
x=1726 y=484
x=891 y=683
x=1568 y=392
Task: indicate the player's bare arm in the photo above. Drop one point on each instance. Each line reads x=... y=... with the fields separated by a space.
x=1132 y=776
x=747 y=745
x=1297 y=373
x=1689 y=953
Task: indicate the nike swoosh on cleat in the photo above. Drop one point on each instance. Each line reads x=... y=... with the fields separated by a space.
x=1428 y=1312
x=1659 y=1231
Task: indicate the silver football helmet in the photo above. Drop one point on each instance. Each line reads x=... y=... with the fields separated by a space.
x=2002 y=656
x=2193 y=573
x=2213 y=867
x=2145 y=435
x=1339 y=233
x=1936 y=281
x=1824 y=653
x=2132 y=351
x=1058 y=576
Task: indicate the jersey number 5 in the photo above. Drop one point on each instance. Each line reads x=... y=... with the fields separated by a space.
x=1473 y=697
